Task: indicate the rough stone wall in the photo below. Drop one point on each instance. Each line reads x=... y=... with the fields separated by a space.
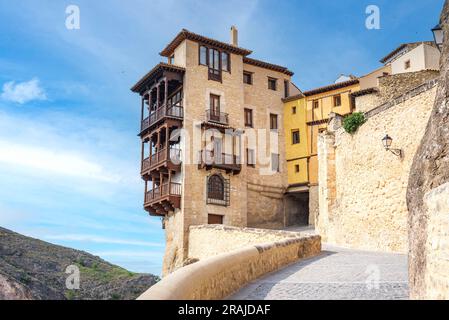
x=428 y=249
x=221 y=275
x=210 y=240
x=363 y=186
x=313 y=205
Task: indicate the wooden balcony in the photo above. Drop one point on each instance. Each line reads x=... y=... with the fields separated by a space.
x=163 y=199
x=217 y=117
x=224 y=161
x=173 y=112
x=169 y=159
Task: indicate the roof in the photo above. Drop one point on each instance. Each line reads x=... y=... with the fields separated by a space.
x=408 y=46
x=266 y=65
x=331 y=87
x=186 y=34
x=159 y=68
x=364 y=92
x=293 y=98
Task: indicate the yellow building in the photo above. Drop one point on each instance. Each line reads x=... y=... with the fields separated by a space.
x=305 y=116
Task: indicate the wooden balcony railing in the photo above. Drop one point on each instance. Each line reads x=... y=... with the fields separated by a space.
x=160 y=157
x=162 y=192
x=217 y=117
x=158 y=114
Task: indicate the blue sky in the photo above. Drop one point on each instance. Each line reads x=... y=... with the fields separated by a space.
x=69 y=154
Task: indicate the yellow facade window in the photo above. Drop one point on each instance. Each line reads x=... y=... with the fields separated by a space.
x=316 y=104
x=296 y=168
x=337 y=100
x=295 y=137
x=293 y=110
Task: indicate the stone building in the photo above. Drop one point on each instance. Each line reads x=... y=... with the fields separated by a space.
x=213 y=147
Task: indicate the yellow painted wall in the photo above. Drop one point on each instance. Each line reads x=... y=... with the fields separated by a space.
x=296 y=154
x=325 y=106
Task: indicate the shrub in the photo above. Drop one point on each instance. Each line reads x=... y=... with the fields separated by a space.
x=352 y=122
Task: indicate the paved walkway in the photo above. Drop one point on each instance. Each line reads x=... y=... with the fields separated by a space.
x=335 y=274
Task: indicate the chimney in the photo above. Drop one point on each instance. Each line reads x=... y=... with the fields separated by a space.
x=234 y=36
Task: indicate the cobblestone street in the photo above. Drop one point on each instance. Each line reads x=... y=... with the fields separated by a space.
x=335 y=274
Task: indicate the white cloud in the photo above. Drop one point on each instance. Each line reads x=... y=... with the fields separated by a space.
x=23 y=92
x=105 y=240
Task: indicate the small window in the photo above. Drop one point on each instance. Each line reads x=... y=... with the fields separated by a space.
x=218 y=190
x=286 y=88
x=295 y=137
x=225 y=62
x=273 y=121
x=248 y=117
x=247 y=77
x=293 y=110
x=337 y=101
x=203 y=55
x=296 y=168
x=171 y=60
x=407 y=64
x=275 y=162
x=272 y=83
x=316 y=104
x=214 y=65
x=214 y=219
x=250 y=158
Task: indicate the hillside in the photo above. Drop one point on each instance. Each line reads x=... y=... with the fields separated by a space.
x=34 y=269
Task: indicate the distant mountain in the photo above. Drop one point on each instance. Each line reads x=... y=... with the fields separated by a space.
x=34 y=269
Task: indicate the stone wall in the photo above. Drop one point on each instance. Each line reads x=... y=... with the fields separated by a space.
x=362 y=187
x=220 y=275
x=210 y=240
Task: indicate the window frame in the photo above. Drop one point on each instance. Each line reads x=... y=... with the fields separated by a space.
x=316 y=104
x=297 y=168
x=222 y=199
x=272 y=80
x=294 y=110
x=228 y=66
x=335 y=98
x=296 y=131
x=252 y=158
x=250 y=75
x=286 y=88
x=207 y=56
x=246 y=112
x=407 y=64
x=276 y=156
x=275 y=117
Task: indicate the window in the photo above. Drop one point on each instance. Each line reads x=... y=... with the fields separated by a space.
x=225 y=62
x=337 y=101
x=171 y=60
x=250 y=158
x=286 y=88
x=203 y=55
x=214 y=65
x=273 y=121
x=214 y=219
x=247 y=77
x=275 y=162
x=218 y=190
x=296 y=168
x=407 y=64
x=272 y=84
x=293 y=110
x=214 y=105
x=316 y=104
x=295 y=137
x=248 y=117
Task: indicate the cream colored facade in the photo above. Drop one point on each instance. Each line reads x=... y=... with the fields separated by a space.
x=255 y=193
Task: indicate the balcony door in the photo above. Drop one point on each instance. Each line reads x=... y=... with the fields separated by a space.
x=218 y=150
x=214 y=107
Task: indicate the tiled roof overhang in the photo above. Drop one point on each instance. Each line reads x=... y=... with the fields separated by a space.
x=364 y=92
x=331 y=87
x=148 y=79
x=266 y=65
x=293 y=98
x=410 y=46
x=186 y=34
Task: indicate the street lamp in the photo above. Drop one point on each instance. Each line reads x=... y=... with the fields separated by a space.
x=438 y=35
x=387 y=141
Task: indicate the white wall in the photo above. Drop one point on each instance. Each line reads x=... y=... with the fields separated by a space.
x=423 y=57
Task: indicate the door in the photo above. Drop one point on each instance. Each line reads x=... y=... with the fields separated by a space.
x=214 y=108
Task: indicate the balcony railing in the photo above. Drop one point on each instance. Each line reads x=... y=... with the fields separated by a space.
x=220 y=160
x=163 y=191
x=158 y=114
x=217 y=117
x=160 y=157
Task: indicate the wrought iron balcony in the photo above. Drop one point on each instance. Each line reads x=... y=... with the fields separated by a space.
x=163 y=199
x=229 y=162
x=161 y=113
x=217 y=117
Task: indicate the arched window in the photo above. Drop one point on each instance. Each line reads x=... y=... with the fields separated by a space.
x=217 y=190
x=215 y=187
